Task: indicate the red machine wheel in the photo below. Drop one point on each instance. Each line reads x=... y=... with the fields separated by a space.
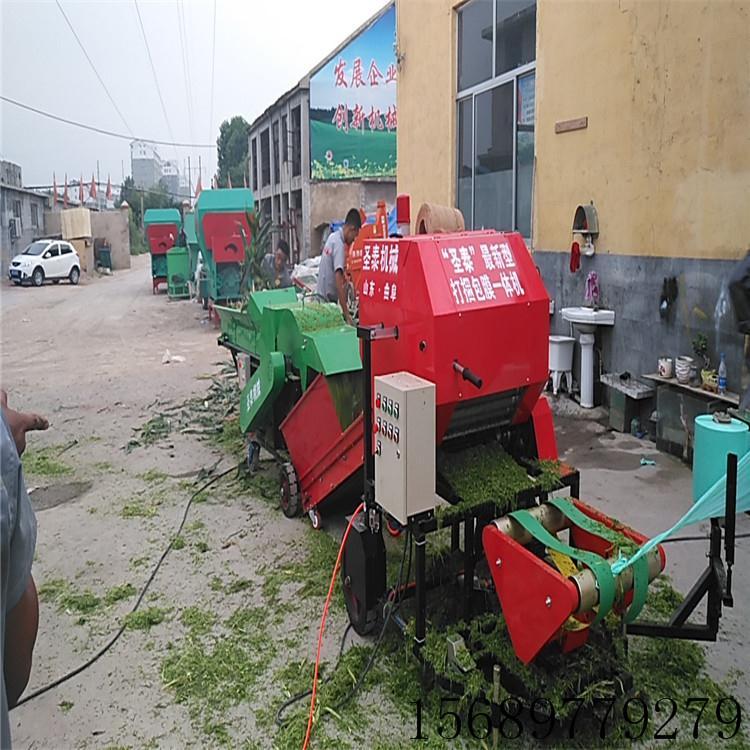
x=290 y=501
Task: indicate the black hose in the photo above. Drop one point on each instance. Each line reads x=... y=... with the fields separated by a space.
x=149 y=581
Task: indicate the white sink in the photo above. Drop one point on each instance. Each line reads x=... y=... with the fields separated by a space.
x=586 y=319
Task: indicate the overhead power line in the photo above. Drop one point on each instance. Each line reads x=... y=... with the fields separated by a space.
x=185 y=63
x=213 y=67
x=93 y=67
x=153 y=70
x=95 y=129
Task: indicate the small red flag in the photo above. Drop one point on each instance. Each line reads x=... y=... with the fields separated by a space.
x=109 y=188
x=92 y=189
x=54 y=190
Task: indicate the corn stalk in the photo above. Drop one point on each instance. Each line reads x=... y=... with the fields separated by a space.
x=256 y=246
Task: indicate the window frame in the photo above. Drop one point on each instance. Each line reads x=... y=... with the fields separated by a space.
x=34 y=215
x=510 y=76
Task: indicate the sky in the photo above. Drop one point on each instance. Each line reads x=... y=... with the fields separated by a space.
x=263 y=48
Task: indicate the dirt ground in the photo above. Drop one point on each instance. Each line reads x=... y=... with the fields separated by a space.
x=90 y=358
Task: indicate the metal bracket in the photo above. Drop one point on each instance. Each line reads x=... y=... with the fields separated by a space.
x=715 y=581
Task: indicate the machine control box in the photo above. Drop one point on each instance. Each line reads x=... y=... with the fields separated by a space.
x=404 y=443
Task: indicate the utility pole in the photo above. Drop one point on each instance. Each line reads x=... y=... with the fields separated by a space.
x=190 y=183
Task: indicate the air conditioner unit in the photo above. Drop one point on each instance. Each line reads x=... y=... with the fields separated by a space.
x=15 y=227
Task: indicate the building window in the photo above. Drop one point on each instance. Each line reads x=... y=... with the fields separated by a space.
x=17 y=213
x=254 y=162
x=35 y=216
x=474 y=43
x=296 y=141
x=265 y=159
x=275 y=131
x=496 y=113
x=284 y=139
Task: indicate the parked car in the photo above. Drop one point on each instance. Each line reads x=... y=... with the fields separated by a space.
x=42 y=260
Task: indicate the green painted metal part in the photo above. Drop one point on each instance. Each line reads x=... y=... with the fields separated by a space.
x=192 y=242
x=162 y=216
x=178 y=272
x=223 y=279
x=310 y=339
x=159 y=266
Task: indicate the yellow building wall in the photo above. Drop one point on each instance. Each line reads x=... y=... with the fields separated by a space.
x=665 y=85
x=666 y=155
x=426 y=135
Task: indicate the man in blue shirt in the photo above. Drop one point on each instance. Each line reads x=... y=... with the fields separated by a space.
x=20 y=608
x=331 y=279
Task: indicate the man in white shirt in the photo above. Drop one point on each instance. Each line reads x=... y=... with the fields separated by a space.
x=331 y=280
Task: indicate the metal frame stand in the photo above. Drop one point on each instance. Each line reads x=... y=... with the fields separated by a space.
x=715 y=581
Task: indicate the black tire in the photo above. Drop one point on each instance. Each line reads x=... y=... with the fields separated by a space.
x=55 y=281
x=17 y=283
x=37 y=278
x=289 y=496
x=75 y=275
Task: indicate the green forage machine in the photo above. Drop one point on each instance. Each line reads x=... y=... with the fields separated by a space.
x=220 y=220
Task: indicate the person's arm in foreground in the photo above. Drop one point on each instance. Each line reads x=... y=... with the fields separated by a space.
x=341 y=289
x=21 y=607
x=21 y=625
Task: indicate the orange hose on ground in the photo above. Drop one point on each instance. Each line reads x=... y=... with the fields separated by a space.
x=323 y=624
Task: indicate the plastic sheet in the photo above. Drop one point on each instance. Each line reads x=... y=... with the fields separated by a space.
x=712 y=504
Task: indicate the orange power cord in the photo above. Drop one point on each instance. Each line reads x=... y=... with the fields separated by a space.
x=336 y=567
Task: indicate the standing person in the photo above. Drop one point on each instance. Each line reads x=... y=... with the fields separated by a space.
x=275 y=267
x=331 y=279
x=20 y=607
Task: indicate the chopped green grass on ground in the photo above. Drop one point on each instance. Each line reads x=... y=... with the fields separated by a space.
x=230 y=438
x=144 y=619
x=197 y=621
x=153 y=475
x=65 y=706
x=138 y=509
x=308 y=567
x=239 y=584
x=67 y=598
x=118 y=593
x=43 y=462
x=178 y=542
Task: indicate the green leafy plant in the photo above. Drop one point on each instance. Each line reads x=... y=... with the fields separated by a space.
x=700 y=348
x=256 y=246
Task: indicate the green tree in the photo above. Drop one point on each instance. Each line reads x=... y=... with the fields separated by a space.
x=232 y=151
x=155 y=197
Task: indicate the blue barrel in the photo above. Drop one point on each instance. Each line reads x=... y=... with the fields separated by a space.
x=713 y=441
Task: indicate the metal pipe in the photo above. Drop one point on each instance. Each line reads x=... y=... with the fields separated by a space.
x=555 y=521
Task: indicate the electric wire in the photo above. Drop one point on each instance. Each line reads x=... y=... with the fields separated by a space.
x=213 y=68
x=185 y=64
x=153 y=71
x=299 y=696
x=304 y=694
x=394 y=606
x=107 y=646
x=102 y=131
x=96 y=72
x=698 y=538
